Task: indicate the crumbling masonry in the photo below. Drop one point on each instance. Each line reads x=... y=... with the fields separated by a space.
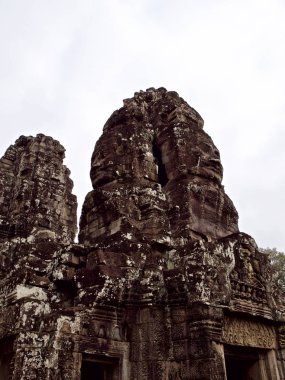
x=161 y=286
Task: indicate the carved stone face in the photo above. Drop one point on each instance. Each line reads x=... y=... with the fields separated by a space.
x=159 y=141
x=206 y=161
x=41 y=198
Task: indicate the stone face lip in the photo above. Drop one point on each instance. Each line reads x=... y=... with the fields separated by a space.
x=36 y=199
x=157 y=175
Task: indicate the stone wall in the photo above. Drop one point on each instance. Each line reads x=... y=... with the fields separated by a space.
x=162 y=284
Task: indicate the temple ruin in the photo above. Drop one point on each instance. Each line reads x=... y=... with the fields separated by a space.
x=162 y=285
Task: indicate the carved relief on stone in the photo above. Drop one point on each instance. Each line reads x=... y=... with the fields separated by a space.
x=207 y=267
x=161 y=259
x=248 y=333
x=251 y=277
x=156 y=179
x=36 y=197
x=157 y=174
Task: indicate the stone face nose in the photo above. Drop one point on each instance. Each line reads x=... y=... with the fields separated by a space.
x=157 y=173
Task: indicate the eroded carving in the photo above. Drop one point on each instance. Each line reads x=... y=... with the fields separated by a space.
x=248 y=333
x=159 y=264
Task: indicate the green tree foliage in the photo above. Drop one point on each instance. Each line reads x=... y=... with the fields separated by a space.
x=277 y=260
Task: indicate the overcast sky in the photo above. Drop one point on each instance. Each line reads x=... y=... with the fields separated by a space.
x=66 y=65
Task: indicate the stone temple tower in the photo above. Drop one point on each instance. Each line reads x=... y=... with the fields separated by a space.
x=162 y=284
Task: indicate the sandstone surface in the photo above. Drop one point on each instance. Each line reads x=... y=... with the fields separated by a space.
x=162 y=284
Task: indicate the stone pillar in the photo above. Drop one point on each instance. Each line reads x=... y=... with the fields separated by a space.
x=206 y=356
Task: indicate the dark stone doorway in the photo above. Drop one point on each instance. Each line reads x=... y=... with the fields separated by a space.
x=96 y=368
x=6 y=356
x=243 y=363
